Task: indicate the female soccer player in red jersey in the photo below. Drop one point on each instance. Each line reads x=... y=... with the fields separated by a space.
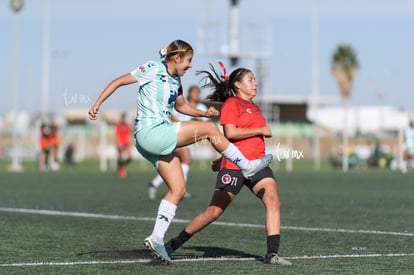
x=244 y=125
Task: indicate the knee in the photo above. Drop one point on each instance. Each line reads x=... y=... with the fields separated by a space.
x=178 y=192
x=213 y=213
x=211 y=127
x=272 y=202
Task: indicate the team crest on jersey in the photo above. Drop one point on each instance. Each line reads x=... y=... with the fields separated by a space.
x=142 y=69
x=248 y=110
x=226 y=179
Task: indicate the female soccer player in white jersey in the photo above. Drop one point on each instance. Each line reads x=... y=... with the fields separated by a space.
x=243 y=124
x=156 y=136
x=193 y=98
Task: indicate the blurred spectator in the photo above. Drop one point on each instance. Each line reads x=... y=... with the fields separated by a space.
x=54 y=145
x=49 y=143
x=123 y=133
x=69 y=154
x=409 y=140
x=44 y=146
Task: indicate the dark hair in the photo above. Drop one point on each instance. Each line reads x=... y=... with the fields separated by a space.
x=222 y=86
x=176 y=47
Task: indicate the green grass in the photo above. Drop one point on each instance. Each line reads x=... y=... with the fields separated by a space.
x=375 y=200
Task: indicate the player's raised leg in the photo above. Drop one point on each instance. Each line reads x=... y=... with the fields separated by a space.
x=193 y=131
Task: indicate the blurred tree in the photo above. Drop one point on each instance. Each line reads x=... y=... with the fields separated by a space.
x=344 y=66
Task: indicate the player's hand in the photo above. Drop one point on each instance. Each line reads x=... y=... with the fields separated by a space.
x=93 y=112
x=211 y=112
x=267 y=132
x=215 y=164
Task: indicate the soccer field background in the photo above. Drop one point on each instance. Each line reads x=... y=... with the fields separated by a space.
x=81 y=221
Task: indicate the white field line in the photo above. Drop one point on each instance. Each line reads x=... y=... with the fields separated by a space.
x=230 y=224
x=201 y=259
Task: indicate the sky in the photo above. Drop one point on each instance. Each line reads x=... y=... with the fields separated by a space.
x=92 y=42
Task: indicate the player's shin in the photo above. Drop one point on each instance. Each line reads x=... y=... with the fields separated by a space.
x=165 y=215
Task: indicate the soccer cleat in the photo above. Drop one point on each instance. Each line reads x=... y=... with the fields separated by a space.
x=152 y=192
x=157 y=248
x=273 y=258
x=257 y=165
x=122 y=172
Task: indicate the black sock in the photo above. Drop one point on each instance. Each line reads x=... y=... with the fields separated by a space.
x=178 y=241
x=273 y=242
x=120 y=162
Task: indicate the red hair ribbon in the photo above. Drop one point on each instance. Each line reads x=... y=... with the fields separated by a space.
x=224 y=76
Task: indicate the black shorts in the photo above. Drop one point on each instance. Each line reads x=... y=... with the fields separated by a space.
x=232 y=180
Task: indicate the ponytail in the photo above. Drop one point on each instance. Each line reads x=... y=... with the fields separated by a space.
x=176 y=47
x=222 y=86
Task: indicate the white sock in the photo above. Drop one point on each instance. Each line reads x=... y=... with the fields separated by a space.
x=165 y=215
x=157 y=181
x=233 y=153
x=185 y=168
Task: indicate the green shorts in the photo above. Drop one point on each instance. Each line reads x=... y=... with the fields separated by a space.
x=155 y=141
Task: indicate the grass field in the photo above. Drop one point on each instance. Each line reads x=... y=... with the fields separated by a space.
x=81 y=221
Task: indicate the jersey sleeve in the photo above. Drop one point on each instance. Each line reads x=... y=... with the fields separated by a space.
x=230 y=112
x=146 y=72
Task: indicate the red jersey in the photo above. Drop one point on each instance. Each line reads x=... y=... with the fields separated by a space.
x=243 y=114
x=123 y=133
x=44 y=137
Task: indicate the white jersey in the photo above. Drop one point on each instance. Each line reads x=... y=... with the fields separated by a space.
x=157 y=93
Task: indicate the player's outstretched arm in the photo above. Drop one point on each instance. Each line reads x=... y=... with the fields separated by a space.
x=108 y=91
x=185 y=108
